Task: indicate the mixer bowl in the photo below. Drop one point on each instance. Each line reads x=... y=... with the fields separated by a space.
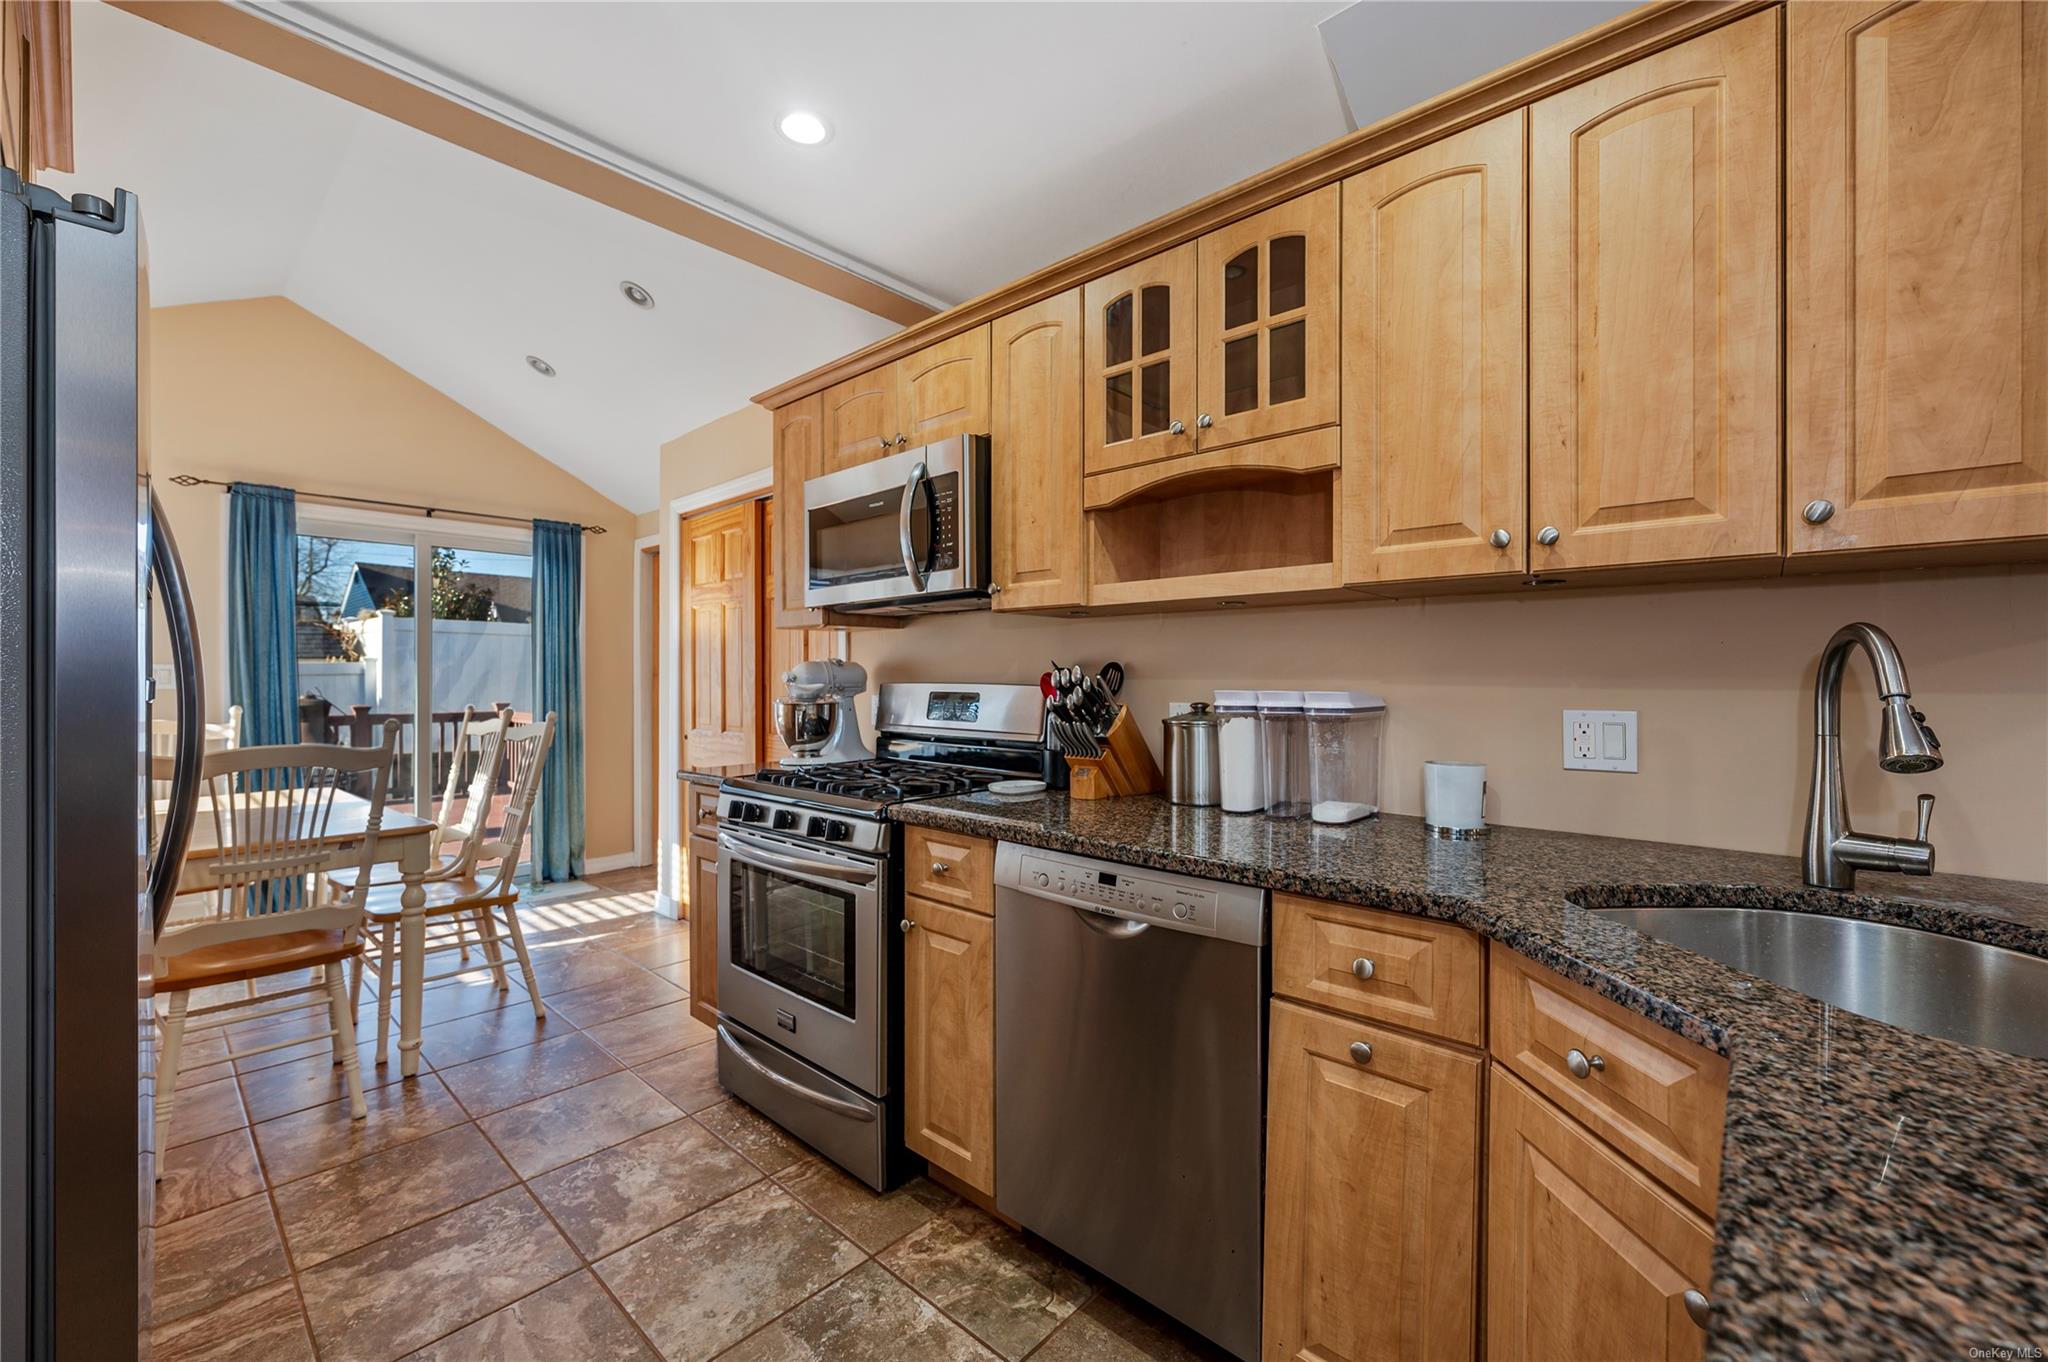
x=805 y=726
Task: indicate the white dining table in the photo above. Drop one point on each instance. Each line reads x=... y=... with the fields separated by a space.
x=403 y=840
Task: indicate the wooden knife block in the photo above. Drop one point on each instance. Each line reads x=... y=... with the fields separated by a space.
x=1124 y=768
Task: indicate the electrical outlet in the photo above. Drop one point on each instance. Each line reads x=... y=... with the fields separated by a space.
x=1600 y=740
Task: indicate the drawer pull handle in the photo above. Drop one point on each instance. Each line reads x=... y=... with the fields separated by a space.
x=1362 y=967
x=1582 y=1064
x=1361 y=1052
x=1698 y=1306
x=940 y=867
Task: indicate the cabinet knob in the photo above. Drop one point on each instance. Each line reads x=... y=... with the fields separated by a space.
x=995 y=588
x=1500 y=539
x=883 y=441
x=901 y=439
x=1817 y=511
x=1582 y=1064
x=905 y=926
x=1362 y=967
x=1361 y=1052
x=1177 y=428
x=1698 y=1306
x=940 y=867
x=1547 y=536
x=1203 y=421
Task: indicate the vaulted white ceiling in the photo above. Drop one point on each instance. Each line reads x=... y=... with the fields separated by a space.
x=972 y=143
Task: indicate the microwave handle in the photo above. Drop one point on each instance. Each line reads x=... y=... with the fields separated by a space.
x=912 y=486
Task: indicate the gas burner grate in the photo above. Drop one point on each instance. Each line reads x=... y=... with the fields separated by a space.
x=883 y=781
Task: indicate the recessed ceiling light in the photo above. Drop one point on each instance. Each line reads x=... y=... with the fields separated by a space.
x=540 y=366
x=637 y=296
x=805 y=129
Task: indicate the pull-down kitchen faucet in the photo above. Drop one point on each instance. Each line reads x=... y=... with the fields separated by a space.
x=1906 y=746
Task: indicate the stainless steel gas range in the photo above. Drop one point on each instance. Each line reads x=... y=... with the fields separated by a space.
x=810 y=901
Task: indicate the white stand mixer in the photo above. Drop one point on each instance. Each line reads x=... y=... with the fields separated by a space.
x=817 y=719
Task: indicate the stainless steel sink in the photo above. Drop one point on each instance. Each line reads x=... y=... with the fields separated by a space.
x=1935 y=985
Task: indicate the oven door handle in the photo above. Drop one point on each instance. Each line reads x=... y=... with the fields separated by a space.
x=835 y=1105
x=755 y=854
x=913 y=567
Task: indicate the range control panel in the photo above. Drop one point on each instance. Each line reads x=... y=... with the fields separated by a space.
x=1181 y=902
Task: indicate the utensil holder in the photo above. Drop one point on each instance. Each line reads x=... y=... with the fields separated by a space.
x=1126 y=766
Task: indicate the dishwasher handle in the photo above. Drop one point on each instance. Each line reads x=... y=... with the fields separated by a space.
x=1115 y=928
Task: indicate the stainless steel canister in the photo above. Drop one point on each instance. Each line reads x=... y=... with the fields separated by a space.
x=1194 y=766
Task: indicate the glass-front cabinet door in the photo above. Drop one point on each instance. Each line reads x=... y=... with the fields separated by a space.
x=1140 y=362
x=1268 y=323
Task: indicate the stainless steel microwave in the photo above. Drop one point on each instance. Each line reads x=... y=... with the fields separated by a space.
x=904 y=534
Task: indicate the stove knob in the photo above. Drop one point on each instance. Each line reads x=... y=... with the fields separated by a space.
x=785 y=820
x=836 y=831
x=815 y=827
x=752 y=813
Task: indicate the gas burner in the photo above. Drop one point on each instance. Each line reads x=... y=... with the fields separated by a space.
x=883 y=781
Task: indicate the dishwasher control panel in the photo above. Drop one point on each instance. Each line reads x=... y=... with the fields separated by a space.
x=1183 y=903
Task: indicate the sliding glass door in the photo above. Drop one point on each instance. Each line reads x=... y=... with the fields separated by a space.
x=481 y=645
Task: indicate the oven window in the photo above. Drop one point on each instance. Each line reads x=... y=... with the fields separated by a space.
x=795 y=934
x=857 y=540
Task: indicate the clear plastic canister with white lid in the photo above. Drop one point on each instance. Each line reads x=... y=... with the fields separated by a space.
x=1242 y=755
x=1344 y=733
x=1283 y=734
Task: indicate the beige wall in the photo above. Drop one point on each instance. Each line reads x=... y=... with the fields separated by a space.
x=262 y=390
x=735 y=444
x=1722 y=677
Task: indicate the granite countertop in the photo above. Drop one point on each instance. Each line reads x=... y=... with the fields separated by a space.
x=712 y=775
x=1882 y=1193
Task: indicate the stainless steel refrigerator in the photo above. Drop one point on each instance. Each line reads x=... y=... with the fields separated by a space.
x=88 y=859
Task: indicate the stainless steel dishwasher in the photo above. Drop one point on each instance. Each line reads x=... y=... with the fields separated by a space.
x=1131 y=1079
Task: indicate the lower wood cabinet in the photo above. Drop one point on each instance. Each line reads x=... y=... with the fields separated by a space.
x=949 y=1040
x=1372 y=1193
x=1585 y=1256
x=703 y=906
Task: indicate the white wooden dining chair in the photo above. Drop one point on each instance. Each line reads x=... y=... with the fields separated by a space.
x=476 y=900
x=476 y=764
x=265 y=911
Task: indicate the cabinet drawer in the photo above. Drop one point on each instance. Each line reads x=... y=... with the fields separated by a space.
x=1417 y=973
x=1654 y=1096
x=700 y=809
x=951 y=869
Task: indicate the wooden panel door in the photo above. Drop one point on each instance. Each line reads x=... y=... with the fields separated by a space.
x=1138 y=396
x=1585 y=1257
x=1916 y=285
x=859 y=420
x=1653 y=331
x=949 y=1040
x=942 y=390
x=1435 y=387
x=1268 y=323
x=1035 y=436
x=1372 y=1193
x=721 y=619
x=799 y=457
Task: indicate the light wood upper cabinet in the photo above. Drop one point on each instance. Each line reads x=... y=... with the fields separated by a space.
x=1653 y=278
x=799 y=457
x=860 y=419
x=942 y=390
x=949 y=1039
x=1267 y=302
x=1435 y=388
x=1372 y=1194
x=1585 y=1257
x=1139 y=394
x=1035 y=434
x=1916 y=281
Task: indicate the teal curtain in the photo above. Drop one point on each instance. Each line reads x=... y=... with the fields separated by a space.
x=263 y=655
x=558 y=686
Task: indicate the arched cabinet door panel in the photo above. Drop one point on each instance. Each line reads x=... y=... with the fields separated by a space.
x=1268 y=309
x=1138 y=401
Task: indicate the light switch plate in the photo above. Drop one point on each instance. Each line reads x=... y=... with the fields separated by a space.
x=1600 y=740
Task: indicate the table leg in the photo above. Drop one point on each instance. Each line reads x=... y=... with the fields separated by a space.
x=412 y=946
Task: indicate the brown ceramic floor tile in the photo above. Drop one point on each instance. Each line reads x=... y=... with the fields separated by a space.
x=865 y=1316
x=629 y=1191
x=487 y=1033
x=323 y=1137
x=615 y=997
x=679 y=975
x=872 y=1220
x=579 y=967
x=344 y=1208
x=391 y=1296
x=216 y=1255
x=1117 y=1327
x=1009 y=1290
x=688 y=1078
x=247 y=1063
x=572 y=1319
x=438 y=1005
x=205 y=1109
x=705 y=1283
x=635 y=929
x=670 y=948
x=566 y=1125
x=310 y=1082
x=753 y=1134
x=206 y=1173
x=642 y=1036
x=513 y=1076
x=265 y=1325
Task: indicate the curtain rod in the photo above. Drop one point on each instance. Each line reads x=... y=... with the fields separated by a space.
x=187 y=480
